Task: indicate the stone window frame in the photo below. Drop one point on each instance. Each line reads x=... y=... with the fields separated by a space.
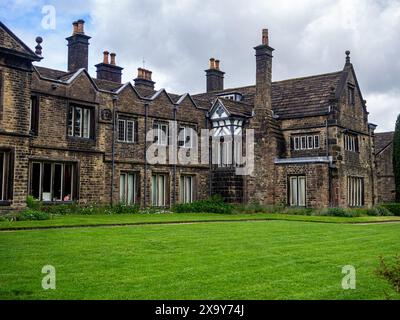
x=6 y=192
x=301 y=142
x=136 y=186
x=355 y=191
x=289 y=189
x=166 y=189
x=127 y=120
x=182 y=190
x=351 y=142
x=185 y=126
x=161 y=123
x=92 y=121
x=74 y=196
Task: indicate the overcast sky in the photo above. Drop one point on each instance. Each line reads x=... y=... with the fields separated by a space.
x=176 y=38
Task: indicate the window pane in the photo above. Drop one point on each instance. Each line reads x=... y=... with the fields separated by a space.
x=293 y=191
x=154 y=190
x=46 y=184
x=310 y=142
x=182 y=189
x=67 y=190
x=131 y=189
x=130 y=130
x=122 y=184
x=302 y=191
x=70 y=121
x=57 y=182
x=86 y=123
x=316 y=142
x=161 y=190
x=77 y=122
x=121 y=130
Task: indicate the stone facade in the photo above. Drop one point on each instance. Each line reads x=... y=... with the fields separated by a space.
x=384 y=167
x=89 y=144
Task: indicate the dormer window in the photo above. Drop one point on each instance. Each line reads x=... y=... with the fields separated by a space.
x=235 y=96
x=351 y=97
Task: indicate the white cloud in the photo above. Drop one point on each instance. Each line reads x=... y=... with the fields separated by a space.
x=176 y=38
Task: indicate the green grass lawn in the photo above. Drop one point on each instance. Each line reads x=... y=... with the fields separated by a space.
x=127 y=219
x=241 y=260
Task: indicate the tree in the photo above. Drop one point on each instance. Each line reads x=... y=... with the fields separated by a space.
x=396 y=158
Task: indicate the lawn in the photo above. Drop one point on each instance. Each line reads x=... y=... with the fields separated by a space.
x=131 y=219
x=231 y=260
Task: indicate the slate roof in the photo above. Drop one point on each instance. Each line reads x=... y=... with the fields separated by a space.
x=50 y=73
x=10 y=43
x=382 y=140
x=299 y=97
x=237 y=108
x=293 y=98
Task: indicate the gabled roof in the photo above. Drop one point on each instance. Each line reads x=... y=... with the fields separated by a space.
x=236 y=108
x=383 y=140
x=10 y=43
x=291 y=98
x=306 y=96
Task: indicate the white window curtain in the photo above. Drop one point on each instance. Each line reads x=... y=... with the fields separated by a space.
x=297 y=191
x=158 y=190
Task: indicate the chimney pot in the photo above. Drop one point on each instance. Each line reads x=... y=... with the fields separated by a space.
x=74 y=27
x=144 y=79
x=265 y=37
x=105 y=57
x=214 y=76
x=212 y=63
x=81 y=24
x=112 y=55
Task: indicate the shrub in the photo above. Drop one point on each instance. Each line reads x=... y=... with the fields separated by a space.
x=390 y=272
x=33 y=203
x=378 y=211
x=392 y=207
x=258 y=208
x=299 y=211
x=214 y=204
x=124 y=209
x=31 y=214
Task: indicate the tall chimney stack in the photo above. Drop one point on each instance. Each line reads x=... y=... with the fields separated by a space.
x=108 y=70
x=143 y=79
x=78 y=47
x=214 y=76
x=263 y=105
x=268 y=139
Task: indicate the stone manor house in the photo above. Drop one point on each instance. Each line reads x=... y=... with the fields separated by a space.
x=67 y=136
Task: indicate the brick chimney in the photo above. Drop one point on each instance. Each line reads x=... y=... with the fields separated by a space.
x=215 y=77
x=268 y=138
x=108 y=70
x=78 y=47
x=143 y=79
x=263 y=105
